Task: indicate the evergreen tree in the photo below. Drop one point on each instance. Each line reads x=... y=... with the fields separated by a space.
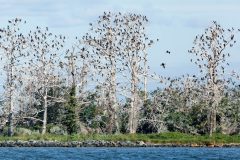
x=71 y=104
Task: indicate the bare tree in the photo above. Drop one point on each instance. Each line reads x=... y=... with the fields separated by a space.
x=135 y=62
x=210 y=51
x=12 y=44
x=119 y=43
x=105 y=40
x=43 y=68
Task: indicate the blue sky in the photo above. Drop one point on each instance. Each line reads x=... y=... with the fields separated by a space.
x=174 y=22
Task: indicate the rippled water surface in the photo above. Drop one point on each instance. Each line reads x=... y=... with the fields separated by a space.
x=119 y=153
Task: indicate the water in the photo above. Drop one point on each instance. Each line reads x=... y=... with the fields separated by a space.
x=119 y=153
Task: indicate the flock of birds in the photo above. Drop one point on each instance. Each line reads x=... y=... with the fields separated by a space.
x=119 y=38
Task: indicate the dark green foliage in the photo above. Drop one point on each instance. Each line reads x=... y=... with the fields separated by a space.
x=93 y=115
x=88 y=114
x=147 y=126
x=191 y=121
x=70 y=119
x=56 y=109
x=198 y=116
x=123 y=122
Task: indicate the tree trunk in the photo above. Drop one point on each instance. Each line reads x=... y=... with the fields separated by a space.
x=213 y=118
x=145 y=76
x=214 y=99
x=10 y=116
x=80 y=126
x=113 y=126
x=10 y=127
x=133 y=114
x=117 y=130
x=45 y=114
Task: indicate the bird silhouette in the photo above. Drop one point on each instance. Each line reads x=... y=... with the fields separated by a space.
x=163 y=65
x=168 y=52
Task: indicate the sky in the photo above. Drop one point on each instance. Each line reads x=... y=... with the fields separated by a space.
x=174 y=22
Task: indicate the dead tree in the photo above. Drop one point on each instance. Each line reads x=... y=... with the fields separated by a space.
x=119 y=43
x=104 y=39
x=12 y=44
x=135 y=62
x=210 y=51
x=43 y=69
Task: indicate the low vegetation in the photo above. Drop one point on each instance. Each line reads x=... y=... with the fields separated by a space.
x=161 y=138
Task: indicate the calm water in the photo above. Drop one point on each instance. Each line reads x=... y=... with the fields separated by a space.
x=119 y=153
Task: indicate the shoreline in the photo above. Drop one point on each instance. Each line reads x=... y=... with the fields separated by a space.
x=94 y=143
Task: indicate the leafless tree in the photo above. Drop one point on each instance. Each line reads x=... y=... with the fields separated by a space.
x=135 y=62
x=42 y=69
x=210 y=51
x=105 y=39
x=120 y=43
x=12 y=44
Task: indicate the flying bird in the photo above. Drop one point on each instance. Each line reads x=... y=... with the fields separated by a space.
x=163 y=65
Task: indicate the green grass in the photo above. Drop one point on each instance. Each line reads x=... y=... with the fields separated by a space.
x=171 y=137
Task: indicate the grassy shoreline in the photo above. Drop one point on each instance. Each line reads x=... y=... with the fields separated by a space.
x=162 y=138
